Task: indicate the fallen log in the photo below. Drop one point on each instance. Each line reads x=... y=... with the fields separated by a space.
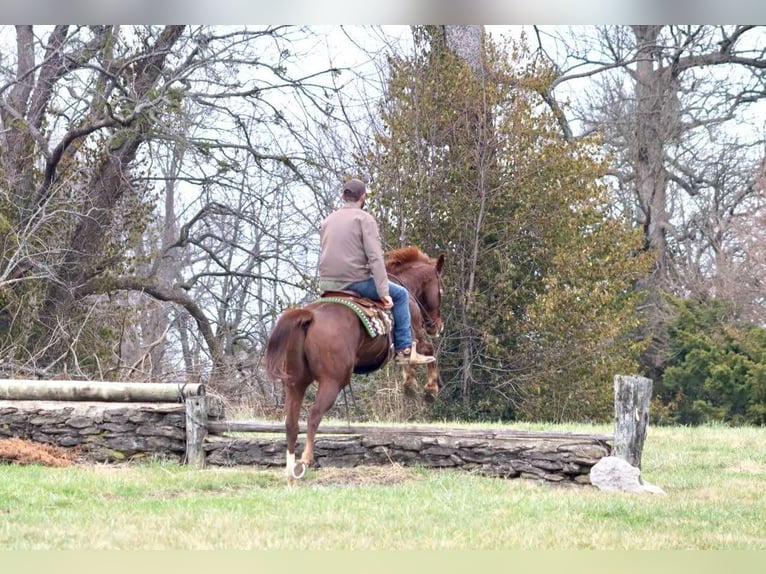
x=83 y=391
x=273 y=427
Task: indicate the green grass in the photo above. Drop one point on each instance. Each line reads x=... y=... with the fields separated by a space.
x=715 y=479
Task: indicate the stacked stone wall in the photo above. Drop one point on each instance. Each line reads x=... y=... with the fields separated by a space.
x=99 y=432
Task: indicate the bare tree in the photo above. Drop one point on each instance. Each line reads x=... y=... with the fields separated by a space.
x=63 y=209
x=675 y=107
x=101 y=122
x=663 y=97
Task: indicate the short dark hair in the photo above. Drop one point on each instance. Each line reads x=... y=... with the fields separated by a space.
x=353 y=189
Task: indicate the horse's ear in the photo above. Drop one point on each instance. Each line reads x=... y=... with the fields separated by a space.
x=440 y=263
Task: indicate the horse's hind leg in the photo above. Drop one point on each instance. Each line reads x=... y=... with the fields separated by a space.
x=293 y=400
x=327 y=392
x=431 y=389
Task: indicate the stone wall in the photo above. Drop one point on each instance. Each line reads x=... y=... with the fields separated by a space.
x=100 y=432
x=560 y=458
x=115 y=432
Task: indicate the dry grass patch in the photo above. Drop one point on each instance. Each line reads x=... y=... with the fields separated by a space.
x=362 y=476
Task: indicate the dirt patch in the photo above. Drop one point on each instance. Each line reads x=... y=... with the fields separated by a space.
x=19 y=451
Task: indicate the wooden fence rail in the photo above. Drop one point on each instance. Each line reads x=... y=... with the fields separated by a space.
x=216 y=427
x=23 y=389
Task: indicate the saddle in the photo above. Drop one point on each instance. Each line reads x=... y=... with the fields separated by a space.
x=377 y=320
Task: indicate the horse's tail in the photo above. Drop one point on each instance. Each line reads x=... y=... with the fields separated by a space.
x=284 y=351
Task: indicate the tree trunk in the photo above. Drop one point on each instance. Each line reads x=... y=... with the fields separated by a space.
x=652 y=129
x=467 y=42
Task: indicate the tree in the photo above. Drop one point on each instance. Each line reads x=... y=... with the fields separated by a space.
x=101 y=124
x=674 y=105
x=715 y=367
x=58 y=217
x=540 y=269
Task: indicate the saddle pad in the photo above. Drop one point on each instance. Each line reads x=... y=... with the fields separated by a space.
x=376 y=321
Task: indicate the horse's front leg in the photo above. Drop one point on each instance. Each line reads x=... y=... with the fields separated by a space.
x=410 y=382
x=432 y=386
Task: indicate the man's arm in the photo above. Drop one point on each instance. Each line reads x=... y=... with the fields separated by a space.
x=373 y=247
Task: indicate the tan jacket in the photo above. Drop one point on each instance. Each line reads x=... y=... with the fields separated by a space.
x=351 y=249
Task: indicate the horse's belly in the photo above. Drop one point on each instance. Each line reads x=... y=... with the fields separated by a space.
x=372 y=354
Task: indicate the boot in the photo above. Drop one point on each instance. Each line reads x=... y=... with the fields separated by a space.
x=412 y=357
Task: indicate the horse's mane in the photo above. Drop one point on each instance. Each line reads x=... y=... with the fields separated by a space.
x=404 y=255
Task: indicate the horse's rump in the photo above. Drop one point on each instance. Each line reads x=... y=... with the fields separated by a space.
x=285 y=344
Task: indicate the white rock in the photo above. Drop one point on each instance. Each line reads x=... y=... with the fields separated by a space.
x=614 y=473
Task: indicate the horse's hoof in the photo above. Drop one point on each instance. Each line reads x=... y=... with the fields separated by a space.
x=410 y=391
x=298 y=470
x=429 y=395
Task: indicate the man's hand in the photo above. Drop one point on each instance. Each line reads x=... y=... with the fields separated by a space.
x=387 y=302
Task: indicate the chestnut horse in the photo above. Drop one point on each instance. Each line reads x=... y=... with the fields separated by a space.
x=326 y=342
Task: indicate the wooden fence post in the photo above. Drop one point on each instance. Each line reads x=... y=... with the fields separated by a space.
x=632 y=395
x=196 y=429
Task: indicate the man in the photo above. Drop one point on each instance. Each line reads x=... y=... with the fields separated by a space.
x=351 y=258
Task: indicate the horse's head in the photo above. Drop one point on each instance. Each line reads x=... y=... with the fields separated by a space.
x=421 y=275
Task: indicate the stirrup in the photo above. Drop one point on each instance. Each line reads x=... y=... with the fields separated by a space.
x=412 y=357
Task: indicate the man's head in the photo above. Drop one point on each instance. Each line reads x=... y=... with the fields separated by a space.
x=353 y=190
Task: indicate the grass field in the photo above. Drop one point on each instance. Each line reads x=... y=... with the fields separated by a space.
x=714 y=477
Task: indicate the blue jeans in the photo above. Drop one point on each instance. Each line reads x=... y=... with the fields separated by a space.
x=401 y=311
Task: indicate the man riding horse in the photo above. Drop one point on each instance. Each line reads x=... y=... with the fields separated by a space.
x=325 y=341
x=351 y=259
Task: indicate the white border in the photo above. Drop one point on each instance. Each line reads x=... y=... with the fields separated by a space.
x=383 y=12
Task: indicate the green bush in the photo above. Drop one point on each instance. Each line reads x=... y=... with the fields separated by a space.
x=715 y=369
